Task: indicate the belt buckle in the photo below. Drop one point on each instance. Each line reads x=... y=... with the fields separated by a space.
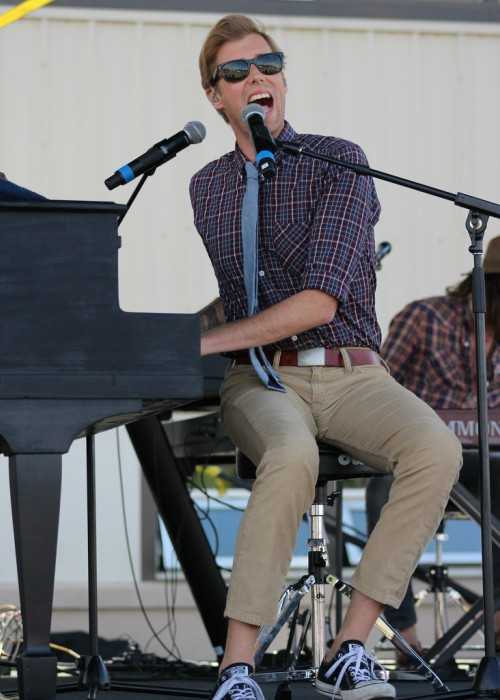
x=312 y=357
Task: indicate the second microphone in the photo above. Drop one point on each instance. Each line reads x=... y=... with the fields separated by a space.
x=193 y=132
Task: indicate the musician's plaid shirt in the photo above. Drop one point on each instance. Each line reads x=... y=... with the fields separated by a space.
x=430 y=349
x=315 y=232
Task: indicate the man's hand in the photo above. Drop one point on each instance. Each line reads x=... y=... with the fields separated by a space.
x=298 y=313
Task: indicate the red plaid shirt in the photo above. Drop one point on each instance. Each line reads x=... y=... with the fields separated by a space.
x=315 y=232
x=430 y=349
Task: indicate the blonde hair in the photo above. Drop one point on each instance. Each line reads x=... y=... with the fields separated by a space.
x=229 y=28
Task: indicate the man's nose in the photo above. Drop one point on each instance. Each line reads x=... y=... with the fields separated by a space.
x=254 y=73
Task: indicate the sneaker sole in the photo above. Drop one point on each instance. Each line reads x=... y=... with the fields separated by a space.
x=367 y=692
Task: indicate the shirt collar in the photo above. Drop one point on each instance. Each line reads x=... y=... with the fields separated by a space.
x=286 y=134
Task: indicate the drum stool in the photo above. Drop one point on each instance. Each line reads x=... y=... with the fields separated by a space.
x=335 y=465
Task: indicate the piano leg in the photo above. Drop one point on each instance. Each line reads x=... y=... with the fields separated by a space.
x=35 y=487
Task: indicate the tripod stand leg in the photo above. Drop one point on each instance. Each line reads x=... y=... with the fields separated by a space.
x=301 y=643
x=95 y=674
x=395 y=637
x=318 y=623
x=269 y=633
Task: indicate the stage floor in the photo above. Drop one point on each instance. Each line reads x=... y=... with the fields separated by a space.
x=300 y=690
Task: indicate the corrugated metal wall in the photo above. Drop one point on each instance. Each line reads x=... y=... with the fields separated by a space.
x=84 y=91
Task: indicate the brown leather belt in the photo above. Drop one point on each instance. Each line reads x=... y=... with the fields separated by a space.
x=333 y=357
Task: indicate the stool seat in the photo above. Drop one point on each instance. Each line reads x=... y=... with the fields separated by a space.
x=335 y=464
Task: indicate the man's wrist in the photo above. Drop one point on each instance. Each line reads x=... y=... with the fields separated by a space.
x=212 y=315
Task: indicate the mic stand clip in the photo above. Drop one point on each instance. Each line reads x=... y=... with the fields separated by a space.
x=136 y=191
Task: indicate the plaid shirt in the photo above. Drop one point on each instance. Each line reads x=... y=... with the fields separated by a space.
x=430 y=349
x=315 y=232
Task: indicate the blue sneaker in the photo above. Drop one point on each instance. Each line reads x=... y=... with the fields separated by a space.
x=235 y=683
x=352 y=675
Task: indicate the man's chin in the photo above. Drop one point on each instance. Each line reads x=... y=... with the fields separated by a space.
x=276 y=127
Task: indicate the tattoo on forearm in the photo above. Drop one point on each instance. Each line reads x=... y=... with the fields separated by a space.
x=212 y=315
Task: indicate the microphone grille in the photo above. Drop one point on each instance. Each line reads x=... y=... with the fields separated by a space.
x=195 y=131
x=254 y=108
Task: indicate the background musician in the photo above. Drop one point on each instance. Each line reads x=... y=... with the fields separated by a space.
x=430 y=349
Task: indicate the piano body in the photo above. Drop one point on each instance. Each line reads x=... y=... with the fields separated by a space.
x=71 y=363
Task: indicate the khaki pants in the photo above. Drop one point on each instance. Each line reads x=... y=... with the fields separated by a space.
x=365 y=411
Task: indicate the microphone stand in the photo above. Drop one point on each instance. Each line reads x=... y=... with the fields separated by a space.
x=135 y=193
x=487 y=679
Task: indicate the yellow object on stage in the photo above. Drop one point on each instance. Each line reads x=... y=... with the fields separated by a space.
x=20 y=10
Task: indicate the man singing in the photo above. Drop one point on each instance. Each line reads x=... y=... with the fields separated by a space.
x=315 y=319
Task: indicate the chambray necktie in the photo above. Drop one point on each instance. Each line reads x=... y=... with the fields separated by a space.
x=249 y=219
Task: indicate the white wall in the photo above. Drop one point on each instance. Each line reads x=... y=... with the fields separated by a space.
x=84 y=91
x=113 y=560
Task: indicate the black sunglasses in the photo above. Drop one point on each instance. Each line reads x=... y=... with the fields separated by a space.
x=239 y=68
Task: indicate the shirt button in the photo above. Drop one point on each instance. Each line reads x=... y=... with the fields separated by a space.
x=261 y=273
x=294 y=338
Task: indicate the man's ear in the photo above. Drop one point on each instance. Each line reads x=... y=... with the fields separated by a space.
x=213 y=97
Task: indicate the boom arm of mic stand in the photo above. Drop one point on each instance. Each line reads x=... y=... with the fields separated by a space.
x=487 y=678
x=466 y=201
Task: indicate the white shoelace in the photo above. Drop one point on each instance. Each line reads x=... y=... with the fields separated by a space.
x=359 y=673
x=249 y=689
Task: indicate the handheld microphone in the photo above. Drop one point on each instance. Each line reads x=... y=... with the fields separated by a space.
x=265 y=146
x=193 y=132
x=383 y=249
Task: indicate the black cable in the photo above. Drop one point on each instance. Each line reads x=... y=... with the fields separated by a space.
x=214 y=498
x=169 y=611
x=171 y=624
x=129 y=551
x=206 y=515
x=172 y=628
x=208 y=519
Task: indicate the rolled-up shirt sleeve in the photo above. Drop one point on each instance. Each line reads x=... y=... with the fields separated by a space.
x=342 y=226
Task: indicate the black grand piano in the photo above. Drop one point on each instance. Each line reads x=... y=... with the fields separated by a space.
x=71 y=363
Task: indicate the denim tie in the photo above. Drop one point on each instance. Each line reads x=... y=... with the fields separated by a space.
x=249 y=218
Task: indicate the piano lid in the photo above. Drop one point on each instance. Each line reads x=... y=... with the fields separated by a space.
x=63 y=332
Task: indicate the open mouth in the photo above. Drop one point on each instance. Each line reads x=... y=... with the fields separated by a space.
x=262 y=98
